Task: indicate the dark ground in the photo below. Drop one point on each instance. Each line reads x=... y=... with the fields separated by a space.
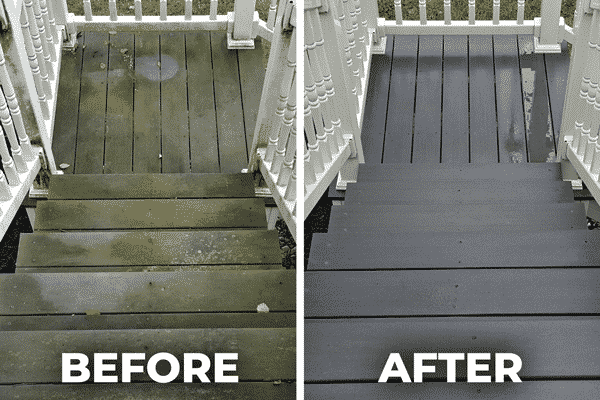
x=10 y=243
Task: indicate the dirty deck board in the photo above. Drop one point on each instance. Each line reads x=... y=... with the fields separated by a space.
x=151 y=186
x=263 y=353
x=149 y=248
x=187 y=114
x=564 y=351
x=149 y=268
x=158 y=391
x=493 y=72
x=150 y=214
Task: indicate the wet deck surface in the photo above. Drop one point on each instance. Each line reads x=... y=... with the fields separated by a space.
x=460 y=99
x=156 y=102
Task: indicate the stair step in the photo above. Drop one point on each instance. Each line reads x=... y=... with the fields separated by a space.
x=149 y=248
x=550 y=347
x=485 y=191
x=223 y=291
x=458 y=217
x=149 y=268
x=263 y=353
x=150 y=186
x=452 y=292
x=376 y=250
x=150 y=214
x=436 y=172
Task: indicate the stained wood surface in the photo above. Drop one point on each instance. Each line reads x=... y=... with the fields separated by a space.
x=550 y=347
x=151 y=186
x=147 y=268
x=150 y=214
x=149 y=248
x=452 y=292
x=263 y=353
x=157 y=102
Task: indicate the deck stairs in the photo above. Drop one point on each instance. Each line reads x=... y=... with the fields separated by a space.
x=177 y=263
x=445 y=258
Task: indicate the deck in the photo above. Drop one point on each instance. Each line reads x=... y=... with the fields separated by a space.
x=156 y=102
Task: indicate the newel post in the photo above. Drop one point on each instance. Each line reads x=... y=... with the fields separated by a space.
x=242 y=25
x=547 y=34
x=63 y=17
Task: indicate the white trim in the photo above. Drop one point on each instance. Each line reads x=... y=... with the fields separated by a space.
x=173 y=23
x=458 y=28
x=264 y=32
x=591 y=180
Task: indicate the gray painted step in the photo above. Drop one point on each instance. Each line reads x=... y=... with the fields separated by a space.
x=150 y=186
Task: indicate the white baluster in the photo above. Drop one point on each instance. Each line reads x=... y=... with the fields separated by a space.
x=52 y=21
x=5 y=192
x=138 y=10
x=589 y=150
x=15 y=111
x=7 y=124
x=398 y=8
x=591 y=53
x=35 y=69
x=311 y=138
x=87 y=9
x=284 y=133
x=471 y=12
x=49 y=50
x=595 y=167
x=44 y=62
x=163 y=10
x=447 y=12
x=290 y=155
x=8 y=164
x=594 y=62
x=188 y=10
x=520 y=11
x=496 y=12
x=51 y=35
x=213 y=9
x=290 y=191
x=272 y=14
x=309 y=172
x=583 y=140
x=423 y=11
x=112 y=7
x=576 y=136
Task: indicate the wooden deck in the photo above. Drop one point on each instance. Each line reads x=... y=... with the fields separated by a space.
x=156 y=102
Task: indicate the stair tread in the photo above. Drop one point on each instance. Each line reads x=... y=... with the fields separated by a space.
x=483 y=191
x=222 y=291
x=564 y=351
x=151 y=186
x=382 y=250
x=435 y=172
x=458 y=217
x=150 y=268
x=150 y=214
x=452 y=292
x=149 y=248
x=263 y=353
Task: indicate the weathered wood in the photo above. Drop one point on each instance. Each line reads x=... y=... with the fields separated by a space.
x=230 y=122
x=175 y=134
x=537 y=390
x=89 y=156
x=509 y=108
x=204 y=148
x=482 y=104
x=399 y=123
x=263 y=354
x=428 y=101
x=460 y=218
x=150 y=214
x=373 y=127
x=221 y=291
x=148 y=248
x=452 y=292
x=564 y=351
x=437 y=172
x=85 y=322
x=474 y=192
x=168 y=391
x=557 y=69
x=151 y=186
x=118 y=145
x=147 y=120
x=149 y=268
x=455 y=105
x=252 y=76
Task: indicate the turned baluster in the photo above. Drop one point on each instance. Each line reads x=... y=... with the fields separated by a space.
x=309 y=172
x=48 y=17
x=35 y=69
x=311 y=138
x=447 y=12
x=496 y=12
x=163 y=10
x=87 y=9
x=284 y=132
x=398 y=9
x=138 y=10
x=17 y=153
x=520 y=11
x=576 y=135
x=44 y=59
x=290 y=190
x=46 y=37
x=290 y=155
x=595 y=167
x=471 y=12
x=272 y=14
x=213 y=9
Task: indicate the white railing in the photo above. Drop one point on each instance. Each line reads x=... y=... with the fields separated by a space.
x=274 y=144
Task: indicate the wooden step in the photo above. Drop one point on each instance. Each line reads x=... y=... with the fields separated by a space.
x=373 y=250
x=486 y=191
x=264 y=354
x=150 y=268
x=549 y=347
x=530 y=390
x=156 y=391
x=151 y=186
x=150 y=214
x=224 y=291
x=452 y=292
x=438 y=172
x=149 y=248
x=458 y=217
